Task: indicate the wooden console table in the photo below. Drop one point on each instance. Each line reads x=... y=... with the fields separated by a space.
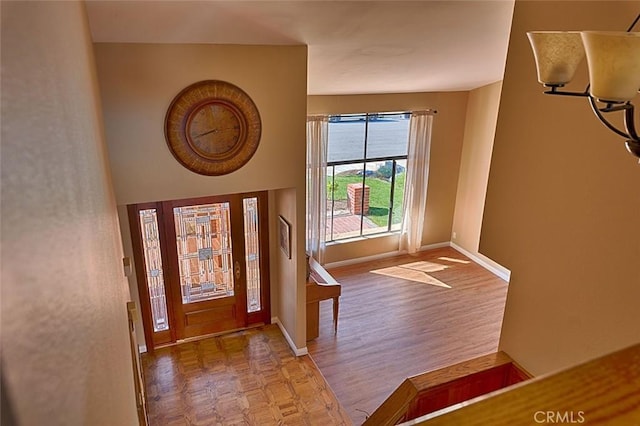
x=321 y=286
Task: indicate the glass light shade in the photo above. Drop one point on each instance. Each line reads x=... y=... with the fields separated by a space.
x=558 y=54
x=614 y=64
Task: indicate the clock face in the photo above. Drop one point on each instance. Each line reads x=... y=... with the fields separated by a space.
x=212 y=127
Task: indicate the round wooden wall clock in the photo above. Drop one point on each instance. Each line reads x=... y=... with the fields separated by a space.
x=212 y=127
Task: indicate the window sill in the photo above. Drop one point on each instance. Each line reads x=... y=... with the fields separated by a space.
x=363 y=238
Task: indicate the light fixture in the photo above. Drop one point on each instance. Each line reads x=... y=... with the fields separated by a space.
x=613 y=59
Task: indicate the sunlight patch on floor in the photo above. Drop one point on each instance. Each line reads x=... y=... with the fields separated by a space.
x=425 y=266
x=415 y=271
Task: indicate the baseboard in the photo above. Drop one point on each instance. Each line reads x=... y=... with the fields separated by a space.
x=480 y=259
x=357 y=260
x=434 y=246
x=371 y=258
x=485 y=262
x=296 y=351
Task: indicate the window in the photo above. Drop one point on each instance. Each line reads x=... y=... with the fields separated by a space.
x=366 y=169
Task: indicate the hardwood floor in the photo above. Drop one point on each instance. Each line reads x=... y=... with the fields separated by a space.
x=244 y=378
x=403 y=316
x=398 y=317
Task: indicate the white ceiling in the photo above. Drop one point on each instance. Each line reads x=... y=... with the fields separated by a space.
x=354 y=46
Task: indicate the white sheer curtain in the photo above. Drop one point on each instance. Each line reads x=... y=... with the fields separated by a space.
x=415 y=195
x=317 y=139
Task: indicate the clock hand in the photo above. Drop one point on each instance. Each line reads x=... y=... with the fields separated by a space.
x=215 y=131
x=206 y=133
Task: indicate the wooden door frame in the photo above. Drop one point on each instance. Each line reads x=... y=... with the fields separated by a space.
x=254 y=318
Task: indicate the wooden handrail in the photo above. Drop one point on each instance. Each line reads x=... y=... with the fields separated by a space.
x=605 y=391
x=447 y=386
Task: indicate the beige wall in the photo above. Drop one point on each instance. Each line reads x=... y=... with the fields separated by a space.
x=292 y=291
x=479 y=131
x=65 y=345
x=446 y=148
x=562 y=206
x=138 y=82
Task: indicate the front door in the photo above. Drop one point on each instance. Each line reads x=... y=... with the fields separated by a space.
x=208 y=288
x=203 y=263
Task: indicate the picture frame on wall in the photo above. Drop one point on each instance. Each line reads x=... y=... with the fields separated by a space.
x=284 y=230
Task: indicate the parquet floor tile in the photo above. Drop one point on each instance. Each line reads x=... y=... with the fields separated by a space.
x=244 y=378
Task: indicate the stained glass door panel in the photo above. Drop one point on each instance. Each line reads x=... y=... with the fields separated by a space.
x=252 y=253
x=204 y=247
x=153 y=268
x=208 y=280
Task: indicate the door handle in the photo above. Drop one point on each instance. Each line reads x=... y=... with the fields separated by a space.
x=236 y=270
